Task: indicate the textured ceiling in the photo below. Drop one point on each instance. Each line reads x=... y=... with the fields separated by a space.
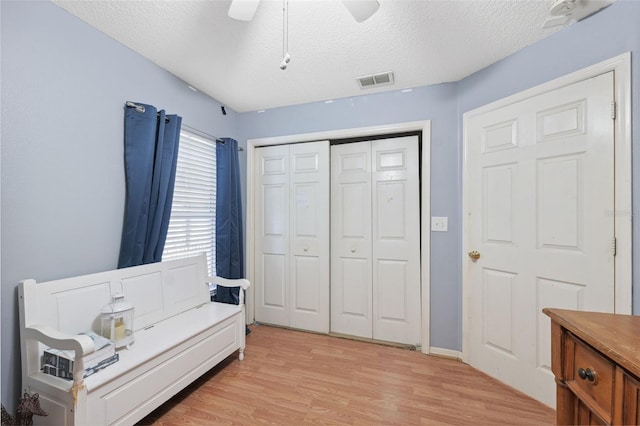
x=422 y=41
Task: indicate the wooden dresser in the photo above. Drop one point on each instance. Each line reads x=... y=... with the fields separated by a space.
x=596 y=360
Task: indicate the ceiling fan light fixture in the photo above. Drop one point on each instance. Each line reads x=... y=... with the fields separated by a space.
x=361 y=10
x=243 y=10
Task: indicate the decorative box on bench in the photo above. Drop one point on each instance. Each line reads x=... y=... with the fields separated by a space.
x=59 y=363
x=179 y=335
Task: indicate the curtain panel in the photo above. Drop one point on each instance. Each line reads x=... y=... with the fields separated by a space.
x=151 y=151
x=229 y=234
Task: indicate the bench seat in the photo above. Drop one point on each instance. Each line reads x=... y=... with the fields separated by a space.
x=195 y=324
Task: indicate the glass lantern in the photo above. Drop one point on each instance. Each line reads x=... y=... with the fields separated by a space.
x=116 y=321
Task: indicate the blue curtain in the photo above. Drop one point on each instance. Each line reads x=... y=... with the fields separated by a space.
x=151 y=151
x=229 y=237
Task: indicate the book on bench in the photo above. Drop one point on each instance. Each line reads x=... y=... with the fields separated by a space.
x=58 y=362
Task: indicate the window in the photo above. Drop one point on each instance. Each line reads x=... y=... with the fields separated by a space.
x=192 y=227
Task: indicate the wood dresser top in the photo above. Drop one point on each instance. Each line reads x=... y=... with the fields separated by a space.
x=615 y=336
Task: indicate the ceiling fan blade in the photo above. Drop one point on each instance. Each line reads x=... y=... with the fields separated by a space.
x=243 y=10
x=361 y=10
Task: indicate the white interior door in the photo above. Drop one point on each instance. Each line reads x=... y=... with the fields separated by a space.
x=375 y=240
x=351 y=289
x=396 y=240
x=272 y=235
x=309 y=236
x=540 y=197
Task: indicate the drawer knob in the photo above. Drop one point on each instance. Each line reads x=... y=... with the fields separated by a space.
x=587 y=374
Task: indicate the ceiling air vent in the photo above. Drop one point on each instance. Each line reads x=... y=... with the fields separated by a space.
x=368 y=81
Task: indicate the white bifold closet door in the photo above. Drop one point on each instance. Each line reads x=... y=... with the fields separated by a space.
x=375 y=240
x=292 y=236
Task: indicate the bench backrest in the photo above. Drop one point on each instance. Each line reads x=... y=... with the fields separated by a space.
x=157 y=291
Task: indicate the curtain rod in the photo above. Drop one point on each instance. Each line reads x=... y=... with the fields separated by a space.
x=140 y=108
x=218 y=140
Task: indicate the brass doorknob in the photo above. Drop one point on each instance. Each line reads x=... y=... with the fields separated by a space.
x=474 y=255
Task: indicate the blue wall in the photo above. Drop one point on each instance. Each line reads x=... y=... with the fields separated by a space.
x=609 y=33
x=64 y=85
x=63 y=89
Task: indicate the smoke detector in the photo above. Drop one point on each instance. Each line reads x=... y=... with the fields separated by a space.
x=570 y=11
x=562 y=7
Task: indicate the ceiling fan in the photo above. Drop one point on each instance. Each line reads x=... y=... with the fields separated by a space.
x=243 y=10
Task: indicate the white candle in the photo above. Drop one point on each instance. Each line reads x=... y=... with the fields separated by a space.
x=120 y=332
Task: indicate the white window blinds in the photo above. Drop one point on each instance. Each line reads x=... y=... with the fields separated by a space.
x=192 y=227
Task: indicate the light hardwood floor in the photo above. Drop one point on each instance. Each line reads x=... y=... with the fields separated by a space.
x=291 y=377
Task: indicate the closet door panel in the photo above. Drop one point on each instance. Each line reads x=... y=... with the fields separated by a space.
x=392 y=295
x=390 y=206
x=274 y=197
x=356 y=294
x=272 y=235
x=309 y=236
x=274 y=291
x=351 y=293
x=354 y=204
x=306 y=276
x=396 y=241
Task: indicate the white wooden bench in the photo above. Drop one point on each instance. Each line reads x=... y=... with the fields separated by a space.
x=179 y=335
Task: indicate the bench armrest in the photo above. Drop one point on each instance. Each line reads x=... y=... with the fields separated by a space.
x=80 y=343
x=227 y=282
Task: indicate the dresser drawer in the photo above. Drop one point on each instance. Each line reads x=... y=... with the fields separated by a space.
x=590 y=376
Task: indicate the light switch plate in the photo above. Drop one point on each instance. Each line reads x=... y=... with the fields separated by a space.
x=439 y=224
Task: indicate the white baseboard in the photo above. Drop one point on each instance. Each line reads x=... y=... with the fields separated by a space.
x=447 y=353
